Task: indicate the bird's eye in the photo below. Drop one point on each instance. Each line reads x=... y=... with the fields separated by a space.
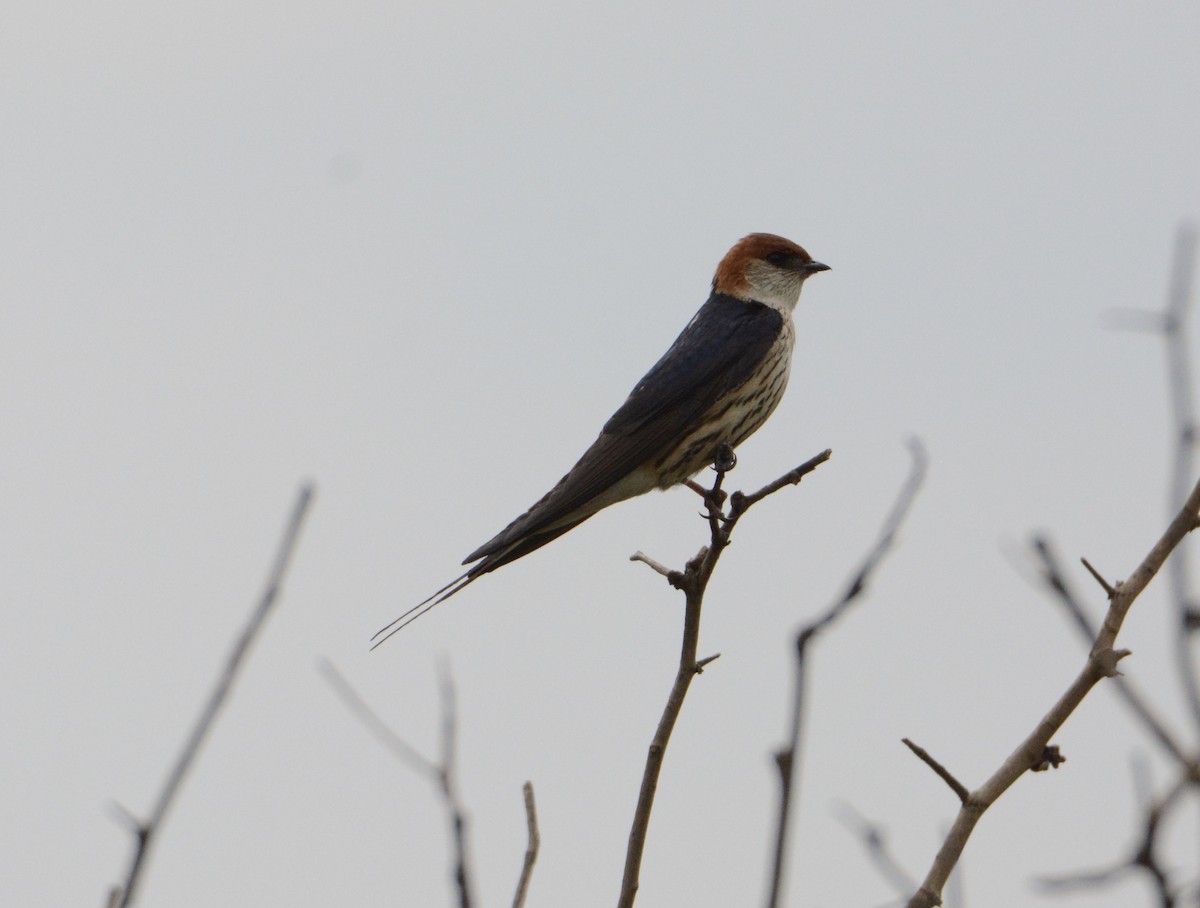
x=778 y=258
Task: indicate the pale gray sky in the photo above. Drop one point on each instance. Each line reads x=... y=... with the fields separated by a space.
x=419 y=253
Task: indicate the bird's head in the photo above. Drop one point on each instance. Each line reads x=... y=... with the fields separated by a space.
x=766 y=269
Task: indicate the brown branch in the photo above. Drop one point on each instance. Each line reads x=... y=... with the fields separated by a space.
x=874 y=840
x=354 y=702
x=145 y=832
x=942 y=772
x=441 y=773
x=1172 y=324
x=1101 y=663
x=692 y=582
x=531 y=850
x=1052 y=575
x=790 y=478
x=1143 y=858
x=1179 y=305
x=446 y=779
x=1109 y=589
x=651 y=563
x=787 y=758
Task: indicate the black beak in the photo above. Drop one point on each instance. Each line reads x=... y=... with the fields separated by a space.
x=814 y=267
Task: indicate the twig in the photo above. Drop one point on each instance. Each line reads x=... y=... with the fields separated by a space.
x=361 y=710
x=787 y=758
x=875 y=843
x=1101 y=663
x=146 y=832
x=1052 y=575
x=651 y=563
x=531 y=850
x=447 y=777
x=790 y=478
x=1172 y=324
x=1109 y=589
x=441 y=773
x=1143 y=858
x=942 y=772
x=692 y=581
x=1179 y=305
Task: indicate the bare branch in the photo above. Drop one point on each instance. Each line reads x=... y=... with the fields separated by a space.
x=1185 y=521
x=1144 y=857
x=531 y=850
x=943 y=773
x=653 y=565
x=791 y=478
x=145 y=833
x=440 y=773
x=1101 y=663
x=692 y=581
x=787 y=758
x=1178 y=312
x=359 y=708
x=1109 y=589
x=1052 y=575
x=1172 y=325
x=447 y=778
x=875 y=842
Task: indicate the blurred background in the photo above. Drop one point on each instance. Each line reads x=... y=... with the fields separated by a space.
x=418 y=254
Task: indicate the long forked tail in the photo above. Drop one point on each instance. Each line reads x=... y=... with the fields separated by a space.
x=424 y=606
x=496 y=559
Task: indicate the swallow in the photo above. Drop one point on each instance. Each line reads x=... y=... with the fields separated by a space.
x=720 y=380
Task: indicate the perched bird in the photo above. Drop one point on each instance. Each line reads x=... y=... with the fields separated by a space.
x=719 y=382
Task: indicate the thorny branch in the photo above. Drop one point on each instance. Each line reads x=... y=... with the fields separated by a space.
x=787 y=758
x=1101 y=663
x=1172 y=324
x=1054 y=578
x=941 y=771
x=1179 y=304
x=1143 y=858
x=145 y=832
x=692 y=581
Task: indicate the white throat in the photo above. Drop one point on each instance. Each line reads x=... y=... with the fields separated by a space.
x=773 y=286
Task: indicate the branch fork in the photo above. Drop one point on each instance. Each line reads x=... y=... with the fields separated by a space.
x=692 y=582
x=1101 y=663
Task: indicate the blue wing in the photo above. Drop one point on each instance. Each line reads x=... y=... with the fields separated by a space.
x=717 y=352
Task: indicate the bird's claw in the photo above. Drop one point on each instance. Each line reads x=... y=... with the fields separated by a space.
x=725 y=459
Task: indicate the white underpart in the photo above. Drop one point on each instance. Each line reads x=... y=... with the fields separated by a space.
x=638 y=482
x=778 y=288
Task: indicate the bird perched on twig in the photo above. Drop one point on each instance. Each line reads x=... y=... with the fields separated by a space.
x=719 y=382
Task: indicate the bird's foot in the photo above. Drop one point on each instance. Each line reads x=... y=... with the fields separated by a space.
x=725 y=459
